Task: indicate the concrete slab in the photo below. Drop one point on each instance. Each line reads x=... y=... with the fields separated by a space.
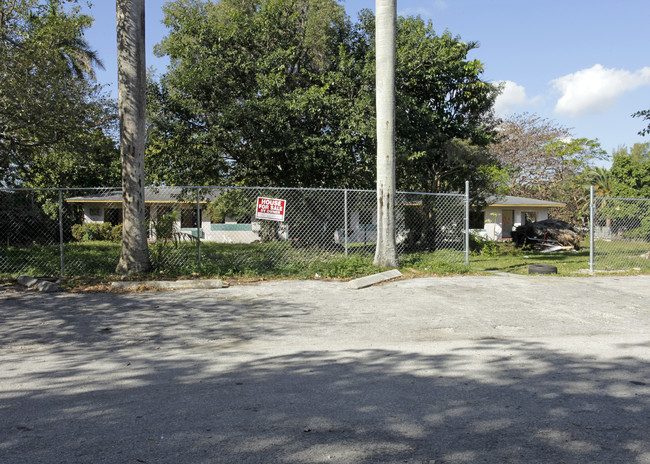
x=367 y=281
x=171 y=284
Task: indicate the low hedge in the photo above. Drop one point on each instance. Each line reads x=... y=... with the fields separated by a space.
x=91 y=231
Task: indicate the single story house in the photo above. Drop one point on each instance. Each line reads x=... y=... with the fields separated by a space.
x=106 y=206
x=503 y=214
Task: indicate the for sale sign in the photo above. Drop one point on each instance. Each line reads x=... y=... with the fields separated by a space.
x=270 y=208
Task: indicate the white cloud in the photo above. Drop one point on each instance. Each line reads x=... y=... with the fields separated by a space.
x=421 y=11
x=439 y=5
x=512 y=98
x=596 y=89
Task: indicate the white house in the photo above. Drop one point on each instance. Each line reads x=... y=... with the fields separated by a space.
x=503 y=214
x=106 y=206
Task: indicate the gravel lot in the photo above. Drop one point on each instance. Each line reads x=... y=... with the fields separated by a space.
x=448 y=370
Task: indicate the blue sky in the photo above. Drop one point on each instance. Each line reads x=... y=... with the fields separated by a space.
x=583 y=64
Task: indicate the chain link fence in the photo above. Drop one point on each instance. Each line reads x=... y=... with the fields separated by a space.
x=217 y=230
x=620 y=239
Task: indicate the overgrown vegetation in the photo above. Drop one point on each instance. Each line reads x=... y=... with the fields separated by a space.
x=94 y=231
x=175 y=258
x=97 y=259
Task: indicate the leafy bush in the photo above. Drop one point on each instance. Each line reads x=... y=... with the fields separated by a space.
x=344 y=267
x=93 y=231
x=231 y=203
x=164 y=225
x=479 y=245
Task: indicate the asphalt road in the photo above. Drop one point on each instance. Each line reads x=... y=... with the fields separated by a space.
x=445 y=370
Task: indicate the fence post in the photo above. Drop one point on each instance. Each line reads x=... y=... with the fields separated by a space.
x=198 y=227
x=467 y=222
x=345 y=219
x=591 y=230
x=61 y=231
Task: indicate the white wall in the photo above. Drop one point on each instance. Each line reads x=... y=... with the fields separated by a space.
x=90 y=218
x=493 y=219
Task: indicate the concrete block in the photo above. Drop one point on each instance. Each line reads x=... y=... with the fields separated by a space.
x=367 y=281
x=46 y=286
x=170 y=284
x=27 y=281
x=38 y=284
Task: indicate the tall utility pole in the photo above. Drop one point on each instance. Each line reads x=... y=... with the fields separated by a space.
x=385 y=32
x=131 y=78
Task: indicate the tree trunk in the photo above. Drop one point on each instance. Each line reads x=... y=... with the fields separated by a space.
x=131 y=70
x=386 y=29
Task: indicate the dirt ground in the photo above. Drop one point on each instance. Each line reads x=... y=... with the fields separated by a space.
x=494 y=369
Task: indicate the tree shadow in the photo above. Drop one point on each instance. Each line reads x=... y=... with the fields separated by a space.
x=70 y=322
x=177 y=394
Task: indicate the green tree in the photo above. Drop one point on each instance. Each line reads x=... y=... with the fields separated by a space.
x=50 y=108
x=645 y=115
x=601 y=179
x=443 y=107
x=247 y=98
x=631 y=171
x=282 y=92
x=543 y=160
x=630 y=178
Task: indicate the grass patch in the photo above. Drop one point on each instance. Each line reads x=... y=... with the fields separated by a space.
x=567 y=262
x=97 y=260
x=609 y=256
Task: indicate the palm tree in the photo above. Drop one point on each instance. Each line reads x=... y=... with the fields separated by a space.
x=68 y=43
x=386 y=29
x=81 y=60
x=131 y=72
x=603 y=183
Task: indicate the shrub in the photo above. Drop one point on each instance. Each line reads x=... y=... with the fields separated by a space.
x=164 y=225
x=92 y=231
x=485 y=247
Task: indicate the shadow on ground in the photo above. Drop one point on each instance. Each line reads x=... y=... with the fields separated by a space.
x=164 y=386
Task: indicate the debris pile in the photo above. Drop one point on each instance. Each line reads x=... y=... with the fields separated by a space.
x=547 y=235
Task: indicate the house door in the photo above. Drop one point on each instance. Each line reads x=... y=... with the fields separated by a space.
x=507 y=216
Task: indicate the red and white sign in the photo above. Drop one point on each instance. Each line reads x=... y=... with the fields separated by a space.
x=270 y=208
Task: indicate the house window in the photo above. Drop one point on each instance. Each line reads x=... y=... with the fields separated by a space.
x=113 y=216
x=365 y=217
x=93 y=212
x=528 y=216
x=188 y=219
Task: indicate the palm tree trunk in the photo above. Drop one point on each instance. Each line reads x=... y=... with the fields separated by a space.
x=131 y=69
x=386 y=29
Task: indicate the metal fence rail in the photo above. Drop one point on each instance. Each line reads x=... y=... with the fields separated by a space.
x=214 y=230
x=620 y=238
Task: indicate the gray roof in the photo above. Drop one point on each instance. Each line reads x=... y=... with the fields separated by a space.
x=521 y=201
x=151 y=195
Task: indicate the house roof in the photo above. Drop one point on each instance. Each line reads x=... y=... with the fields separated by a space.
x=151 y=195
x=521 y=202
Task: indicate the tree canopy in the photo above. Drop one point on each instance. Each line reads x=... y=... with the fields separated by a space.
x=544 y=160
x=630 y=171
x=281 y=92
x=52 y=113
x=645 y=115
